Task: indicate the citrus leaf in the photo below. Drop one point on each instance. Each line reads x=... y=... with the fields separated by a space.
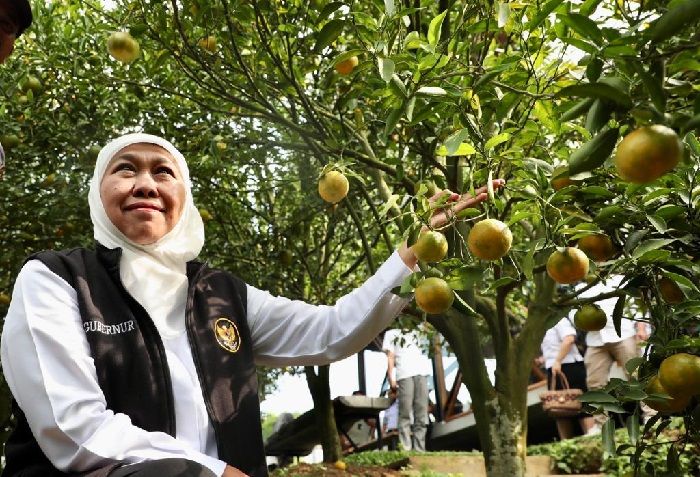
x=328 y=11
x=617 y=315
x=597 y=397
x=431 y=91
x=608 y=434
x=598 y=90
x=328 y=34
x=542 y=13
x=594 y=152
x=632 y=425
x=389 y=7
x=496 y=140
x=577 y=109
x=386 y=68
x=454 y=140
x=653 y=86
x=435 y=28
x=649 y=245
x=583 y=25
x=684 y=13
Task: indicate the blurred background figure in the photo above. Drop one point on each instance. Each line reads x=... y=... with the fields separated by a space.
x=408 y=369
x=561 y=356
x=390 y=418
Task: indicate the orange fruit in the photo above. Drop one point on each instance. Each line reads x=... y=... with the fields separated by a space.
x=560 y=178
x=333 y=187
x=123 y=47
x=598 y=247
x=675 y=404
x=647 y=153
x=9 y=141
x=679 y=374
x=345 y=67
x=340 y=465
x=431 y=246
x=670 y=291
x=567 y=265
x=489 y=239
x=434 y=295
x=590 y=317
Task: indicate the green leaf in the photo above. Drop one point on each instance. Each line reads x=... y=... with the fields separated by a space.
x=658 y=223
x=386 y=68
x=454 y=140
x=389 y=7
x=649 y=245
x=583 y=25
x=683 y=14
x=464 y=149
x=431 y=91
x=673 y=464
x=608 y=434
x=597 y=397
x=392 y=120
x=632 y=424
x=435 y=28
x=542 y=13
x=328 y=11
x=654 y=87
x=347 y=54
x=594 y=152
x=328 y=34
x=464 y=278
x=633 y=364
x=598 y=90
x=617 y=314
x=598 y=115
x=581 y=107
x=680 y=279
x=496 y=140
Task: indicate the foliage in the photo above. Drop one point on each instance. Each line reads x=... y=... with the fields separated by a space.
x=585 y=455
x=446 y=94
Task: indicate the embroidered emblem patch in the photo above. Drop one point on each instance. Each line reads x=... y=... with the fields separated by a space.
x=227 y=334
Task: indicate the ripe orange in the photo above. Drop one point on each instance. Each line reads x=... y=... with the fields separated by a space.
x=345 y=67
x=679 y=374
x=340 y=465
x=560 y=178
x=123 y=47
x=431 y=246
x=489 y=239
x=647 y=153
x=590 y=317
x=434 y=295
x=208 y=43
x=568 y=265
x=670 y=291
x=598 y=247
x=675 y=404
x=333 y=187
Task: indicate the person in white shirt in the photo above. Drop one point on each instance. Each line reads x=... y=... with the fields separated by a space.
x=406 y=355
x=562 y=357
x=606 y=347
x=65 y=358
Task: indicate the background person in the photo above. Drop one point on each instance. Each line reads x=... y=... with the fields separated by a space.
x=408 y=369
x=130 y=359
x=562 y=356
x=605 y=347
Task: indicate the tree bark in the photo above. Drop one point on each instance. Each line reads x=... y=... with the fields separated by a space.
x=325 y=416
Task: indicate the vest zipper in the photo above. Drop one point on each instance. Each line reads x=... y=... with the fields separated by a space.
x=189 y=317
x=161 y=353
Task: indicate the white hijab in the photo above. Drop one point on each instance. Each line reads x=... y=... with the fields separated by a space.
x=154 y=274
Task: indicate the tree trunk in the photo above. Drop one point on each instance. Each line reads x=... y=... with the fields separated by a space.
x=325 y=416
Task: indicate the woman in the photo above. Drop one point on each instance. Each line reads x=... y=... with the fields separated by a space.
x=561 y=357
x=137 y=360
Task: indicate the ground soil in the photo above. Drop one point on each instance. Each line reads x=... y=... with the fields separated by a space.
x=328 y=470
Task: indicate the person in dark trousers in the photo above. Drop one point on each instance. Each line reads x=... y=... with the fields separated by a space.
x=135 y=359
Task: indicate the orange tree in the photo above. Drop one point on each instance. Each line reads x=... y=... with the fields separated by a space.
x=443 y=94
x=453 y=94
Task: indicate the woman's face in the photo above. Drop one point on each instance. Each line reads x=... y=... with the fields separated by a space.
x=143 y=192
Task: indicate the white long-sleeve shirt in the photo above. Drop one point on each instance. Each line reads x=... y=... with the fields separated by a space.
x=47 y=364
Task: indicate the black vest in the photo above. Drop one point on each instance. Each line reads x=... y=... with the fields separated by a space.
x=131 y=365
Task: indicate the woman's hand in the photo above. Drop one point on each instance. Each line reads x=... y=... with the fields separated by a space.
x=556 y=367
x=455 y=203
x=233 y=472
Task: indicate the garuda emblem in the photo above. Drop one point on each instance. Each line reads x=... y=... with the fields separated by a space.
x=227 y=334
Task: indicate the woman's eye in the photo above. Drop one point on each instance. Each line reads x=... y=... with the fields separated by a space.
x=165 y=170
x=125 y=166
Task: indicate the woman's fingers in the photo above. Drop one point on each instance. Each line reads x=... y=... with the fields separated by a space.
x=456 y=203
